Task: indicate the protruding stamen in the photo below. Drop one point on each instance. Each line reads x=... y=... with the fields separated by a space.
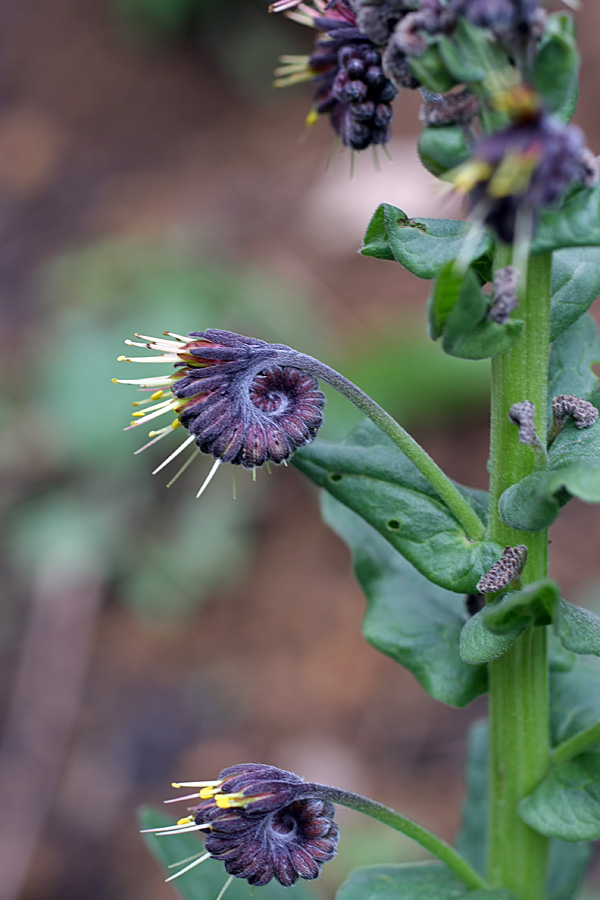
x=175 y=453
x=225 y=886
x=209 y=477
x=192 y=865
x=199 y=784
x=195 y=452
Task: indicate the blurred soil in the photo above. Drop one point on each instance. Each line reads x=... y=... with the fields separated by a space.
x=102 y=134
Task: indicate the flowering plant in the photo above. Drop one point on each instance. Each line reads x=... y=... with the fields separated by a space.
x=456 y=580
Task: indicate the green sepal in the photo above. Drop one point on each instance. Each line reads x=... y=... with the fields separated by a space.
x=457 y=63
x=421 y=881
x=575 y=286
x=574 y=224
x=442 y=147
x=207 y=879
x=566 y=804
x=430 y=70
x=458 y=311
x=577 y=628
x=555 y=72
x=480 y=645
x=567 y=863
x=533 y=605
x=370 y=475
x=408 y=618
x=423 y=246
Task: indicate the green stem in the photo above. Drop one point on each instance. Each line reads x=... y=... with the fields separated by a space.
x=445 y=489
x=519 y=740
x=435 y=845
x=579 y=743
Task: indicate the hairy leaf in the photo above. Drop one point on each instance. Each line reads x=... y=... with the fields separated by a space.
x=575 y=286
x=479 y=645
x=578 y=629
x=423 y=246
x=408 y=618
x=556 y=67
x=458 y=312
x=567 y=862
x=566 y=804
x=425 y=881
x=575 y=224
x=371 y=476
x=442 y=148
x=573 y=354
x=534 y=605
x=575 y=699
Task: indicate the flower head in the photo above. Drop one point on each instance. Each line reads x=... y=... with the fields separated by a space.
x=351 y=86
x=263 y=823
x=527 y=166
x=238 y=397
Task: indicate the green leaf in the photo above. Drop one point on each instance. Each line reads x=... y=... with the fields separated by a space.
x=408 y=618
x=567 y=862
x=423 y=246
x=575 y=224
x=459 y=311
x=556 y=67
x=370 y=475
x=479 y=645
x=573 y=354
x=575 y=286
x=206 y=880
x=534 y=503
x=578 y=628
x=423 y=881
x=574 y=699
x=457 y=63
x=566 y=804
x=430 y=70
x=442 y=148
x=534 y=605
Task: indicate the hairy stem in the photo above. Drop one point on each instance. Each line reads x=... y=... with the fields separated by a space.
x=435 y=845
x=445 y=489
x=519 y=740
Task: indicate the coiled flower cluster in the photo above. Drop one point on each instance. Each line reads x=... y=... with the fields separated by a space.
x=528 y=166
x=346 y=67
x=242 y=401
x=262 y=823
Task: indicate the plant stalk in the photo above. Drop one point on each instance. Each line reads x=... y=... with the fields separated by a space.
x=519 y=738
x=429 y=841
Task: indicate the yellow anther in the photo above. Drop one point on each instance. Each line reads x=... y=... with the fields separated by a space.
x=175 y=423
x=312 y=117
x=115 y=380
x=175 y=784
x=207 y=792
x=224 y=802
x=513 y=175
x=138 y=415
x=156 y=395
x=122 y=359
x=187 y=820
x=465 y=177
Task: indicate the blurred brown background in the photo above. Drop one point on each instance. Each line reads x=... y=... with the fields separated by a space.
x=150 y=179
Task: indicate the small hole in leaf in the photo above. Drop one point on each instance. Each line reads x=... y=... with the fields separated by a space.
x=335 y=477
x=393 y=524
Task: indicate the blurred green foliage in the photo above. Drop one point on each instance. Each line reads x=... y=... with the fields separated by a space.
x=76 y=491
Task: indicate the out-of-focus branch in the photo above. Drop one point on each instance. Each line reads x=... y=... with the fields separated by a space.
x=44 y=706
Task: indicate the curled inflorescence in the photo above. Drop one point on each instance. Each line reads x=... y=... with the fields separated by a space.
x=506 y=570
x=504 y=298
x=262 y=823
x=568 y=406
x=239 y=398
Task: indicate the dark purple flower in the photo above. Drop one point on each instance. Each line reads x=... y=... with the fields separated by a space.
x=501 y=16
x=238 y=397
x=345 y=65
x=262 y=823
x=524 y=168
